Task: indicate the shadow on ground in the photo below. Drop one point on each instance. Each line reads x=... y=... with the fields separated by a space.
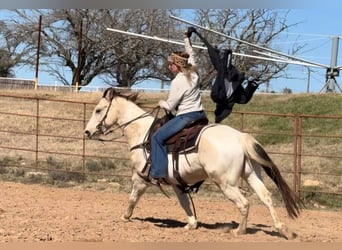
x=170 y=223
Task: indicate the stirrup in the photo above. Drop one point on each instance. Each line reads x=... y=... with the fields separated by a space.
x=144 y=177
x=157 y=182
x=147 y=178
x=154 y=181
x=162 y=190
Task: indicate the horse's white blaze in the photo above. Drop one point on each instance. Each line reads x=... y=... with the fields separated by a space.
x=224 y=155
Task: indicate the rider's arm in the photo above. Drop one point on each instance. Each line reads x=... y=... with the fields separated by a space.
x=190 y=51
x=176 y=93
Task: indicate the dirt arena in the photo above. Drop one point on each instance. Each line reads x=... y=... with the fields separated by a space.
x=30 y=213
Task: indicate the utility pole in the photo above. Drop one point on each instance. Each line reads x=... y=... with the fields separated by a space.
x=79 y=58
x=38 y=53
x=309 y=77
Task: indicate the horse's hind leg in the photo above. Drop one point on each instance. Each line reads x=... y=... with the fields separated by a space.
x=265 y=196
x=139 y=188
x=185 y=203
x=234 y=194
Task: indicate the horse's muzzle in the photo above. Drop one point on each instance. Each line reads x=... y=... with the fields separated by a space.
x=87 y=134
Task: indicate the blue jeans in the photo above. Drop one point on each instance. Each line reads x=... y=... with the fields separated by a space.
x=159 y=161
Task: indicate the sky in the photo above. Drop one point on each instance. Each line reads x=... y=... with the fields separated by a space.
x=316 y=28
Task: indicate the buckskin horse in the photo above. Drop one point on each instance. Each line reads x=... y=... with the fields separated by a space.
x=223 y=154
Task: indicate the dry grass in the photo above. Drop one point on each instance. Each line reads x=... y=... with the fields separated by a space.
x=63 y=140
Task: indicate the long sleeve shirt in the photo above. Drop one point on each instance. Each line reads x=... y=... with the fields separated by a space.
x=184 y=95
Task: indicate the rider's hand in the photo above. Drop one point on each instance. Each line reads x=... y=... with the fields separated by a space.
x=189 y=32
x=163 y=104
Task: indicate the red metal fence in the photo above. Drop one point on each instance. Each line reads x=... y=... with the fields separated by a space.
x=43 y=134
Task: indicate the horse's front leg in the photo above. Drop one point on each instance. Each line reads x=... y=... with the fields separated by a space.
x=139 y=188
x=185 y=203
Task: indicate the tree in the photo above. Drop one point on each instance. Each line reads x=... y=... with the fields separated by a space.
x=76 y=41
x=255 y=26
x=10 y=52
x=287 y=90
x=135 y=60
x=5 y=67
x=120 y=60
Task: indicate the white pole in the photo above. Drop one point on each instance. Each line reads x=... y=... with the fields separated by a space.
x=152 y=37
x=279 y=59
x=251 y=44
x=201 y=47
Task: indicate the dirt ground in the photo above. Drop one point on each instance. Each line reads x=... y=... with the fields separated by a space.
x=30 y=213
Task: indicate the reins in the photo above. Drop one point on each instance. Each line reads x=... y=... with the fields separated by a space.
x=109 y=131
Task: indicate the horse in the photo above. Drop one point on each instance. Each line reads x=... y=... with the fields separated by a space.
x=223 y=154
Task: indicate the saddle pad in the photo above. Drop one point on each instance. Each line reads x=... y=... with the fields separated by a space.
x=171 y=178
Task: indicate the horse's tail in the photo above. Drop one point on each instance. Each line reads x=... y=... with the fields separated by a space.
x=257 y=153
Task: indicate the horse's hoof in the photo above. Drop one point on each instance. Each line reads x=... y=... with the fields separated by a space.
x=292 y=236
x=287 y=233
x=191 y=226
x=237 y=232
x=226 y=229
x=125 y=219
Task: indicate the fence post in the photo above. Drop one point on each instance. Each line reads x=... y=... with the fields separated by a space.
x=84 y=142
x=37 y=130
x=297 y=154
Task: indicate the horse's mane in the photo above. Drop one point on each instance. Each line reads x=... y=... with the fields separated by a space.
x=111 y=93
x=128 y=94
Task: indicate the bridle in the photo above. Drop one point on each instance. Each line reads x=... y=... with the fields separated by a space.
x=101 y=125
x=105 y=131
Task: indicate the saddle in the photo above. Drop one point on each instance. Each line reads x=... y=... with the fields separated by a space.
x=180 y=143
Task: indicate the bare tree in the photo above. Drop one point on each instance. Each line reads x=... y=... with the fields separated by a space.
x=11 y=50
x=254 y=26
x=136 y=59
x=77 y=42
x=6 y=64
x=120 y=60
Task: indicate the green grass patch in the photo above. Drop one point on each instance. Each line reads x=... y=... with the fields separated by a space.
x=313 y=197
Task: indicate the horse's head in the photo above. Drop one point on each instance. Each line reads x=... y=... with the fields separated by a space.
x=100 y=120
x=106 y=112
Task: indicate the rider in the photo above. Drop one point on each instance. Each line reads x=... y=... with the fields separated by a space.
x=230 y=78
x=184 y=98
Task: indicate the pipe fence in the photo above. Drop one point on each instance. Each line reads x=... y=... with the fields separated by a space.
x=43 y=136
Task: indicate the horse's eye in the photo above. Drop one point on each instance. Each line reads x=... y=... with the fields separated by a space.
x=98 y=111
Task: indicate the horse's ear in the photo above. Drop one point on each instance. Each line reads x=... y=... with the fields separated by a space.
x=133 y=96
x=109 y=94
